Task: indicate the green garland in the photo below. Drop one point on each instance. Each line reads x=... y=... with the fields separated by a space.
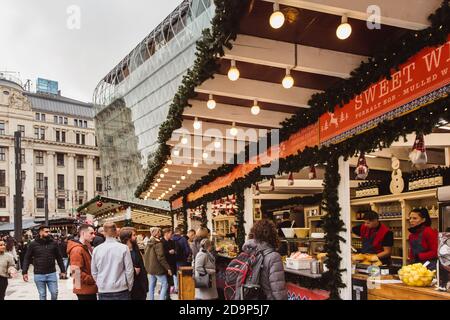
x=204 y=217
x=295 y=201
x=381 y=65
x=225 y=25
x=240 y=202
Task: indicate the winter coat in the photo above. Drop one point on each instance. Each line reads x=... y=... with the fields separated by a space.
x=98 y=240
x=80 y=256
x=6 y=261
x=154 y=259
x=62 y=245
x=140 y=284
x=272 y=278
x=205 y=261
x=182 y=247
x=170 y=258
x=42 y=253
x=195 y=248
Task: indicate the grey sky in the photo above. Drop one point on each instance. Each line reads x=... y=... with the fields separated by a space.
x=36 y=41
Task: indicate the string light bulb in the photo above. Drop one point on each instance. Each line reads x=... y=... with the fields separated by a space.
x=176 y=152
x=178 y=181
x=233 y=130
x=277 y=18
x=211 y=104
x=161 y=175
x=183 y=178
x=233 y=72
x=197 y=124
x=169 y=162
x=255 y=110
x=217 y=144
x=205 y=155
x=158 y=180
x=288 y=81
x=184 y=140
x=344 y=30
x=189 y=171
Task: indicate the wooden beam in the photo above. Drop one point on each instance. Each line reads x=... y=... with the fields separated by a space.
x=399 y=13
x=282 y=55
x=252 y=89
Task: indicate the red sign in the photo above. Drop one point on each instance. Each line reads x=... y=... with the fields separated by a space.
x=177 y=203
x=299 y=293
x=416 y=83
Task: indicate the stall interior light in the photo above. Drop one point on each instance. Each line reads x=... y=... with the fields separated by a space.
x=189 y=171
x=195 y=164
x=184 y=140
x=205 y=155
x=169 y=162
x=217 y=144
x=344 y=30
x=255 y=110
x=161 y=175
x=178 y=181
x=211 y=104
x=233 y=130
x=197 y=124
x=277 y=18
x=371 y=156
x=176 y=152
x=174 y=185
x=158 y=180
x=183 y=177
x=233 y=72
x=166 y=170
x=288 y=81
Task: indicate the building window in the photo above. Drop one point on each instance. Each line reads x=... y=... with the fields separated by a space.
x=77 y=138
x=58 y=135
x=39 y=203
x=97 y=163
x=2 y=178
x=61 y=204
x=80 y=201
x=80 y=138
x=85 y=123
x=39 y=133
x=3 y=202
x=83 y=139
x=80 y=183
x=60 y=159
x=2 y=128
x=55 y=119
x=22 y=155
x=75 y=122
x=23 y=176
x=63 y=136
x=21 y=128
x=66 y=121
x=2 y=153
x=61 y=119
x=60 y=182
x=39 y=181
x=80 y=162
x=39 y=157
x=99 y=185
x=40 y=116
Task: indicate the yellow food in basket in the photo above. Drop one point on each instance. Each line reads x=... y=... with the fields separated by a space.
x=416 y=275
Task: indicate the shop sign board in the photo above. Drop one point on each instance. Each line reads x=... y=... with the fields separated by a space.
x=296 y=292
x=424 y=78
x=177 y=203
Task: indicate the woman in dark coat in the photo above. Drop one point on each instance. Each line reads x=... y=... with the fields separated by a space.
x=140 y=285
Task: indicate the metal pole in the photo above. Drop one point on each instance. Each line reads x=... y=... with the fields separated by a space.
x=46 y=200
x=18 y=200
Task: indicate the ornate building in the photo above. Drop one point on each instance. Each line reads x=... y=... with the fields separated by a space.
x=58 y=142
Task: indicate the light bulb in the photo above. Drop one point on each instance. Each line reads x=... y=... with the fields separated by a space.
x=197 y=124
x=233 y=130
x=205 y=155
x=161 y=175
x=277 y=18
x=159 y=180
x=184 y=140
x=145 y=198
x=217 y=144
x=174 y=185
x=183 y=178
x=195 y=164
x=169 y=162
x=170 y=189
x=176 y=152
x=151 y=191
x=211 y=104
x=255 y=109
x=233 y=73
x=189 y=171
x=178 y=181
x=156 y=184
x=344 y=30
x=148 y=194
x=288 y=81
x=166 y=170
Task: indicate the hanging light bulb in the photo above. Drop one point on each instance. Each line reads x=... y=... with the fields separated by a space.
x=169 y=162
x=183 y=178
x=148 y=194
x=156 y=184
x=197 y=124
x=151 y=191
x=288 y=81
x=166 y=170
x=189 y=171
x=233 y=130
x=277 y=18
x=211 y=104
x=145 y=198
x=233 y=73
x=195 y=164
x=161 y=175
x=158 y=180
x=205 y=155
x=344 y=30
x=176 y=152
x=173 y=186
x=184 y=140
x=217 y=144
x=178 y=181
x=255 y=109
x=170 y=189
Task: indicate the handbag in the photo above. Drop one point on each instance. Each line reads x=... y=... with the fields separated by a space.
x=203 y=281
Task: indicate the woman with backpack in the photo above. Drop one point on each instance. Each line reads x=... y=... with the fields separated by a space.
x=264 y=238
x=205 y=266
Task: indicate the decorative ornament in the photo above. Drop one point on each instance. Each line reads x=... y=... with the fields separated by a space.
x=418 y=154
x=362 y=169
x=397 y=184
x=233 y=198
x=291 y=179
x=312 y=173
x=257 y=191
x=99 y=204
x=272 y=185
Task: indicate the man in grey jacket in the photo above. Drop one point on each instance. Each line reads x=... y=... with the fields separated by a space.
x=112 y=267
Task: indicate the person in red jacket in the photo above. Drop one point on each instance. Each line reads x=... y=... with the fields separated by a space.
x=423 y=240
x=376 y=237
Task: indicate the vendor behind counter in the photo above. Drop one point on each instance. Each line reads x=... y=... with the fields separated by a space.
x=376 y=237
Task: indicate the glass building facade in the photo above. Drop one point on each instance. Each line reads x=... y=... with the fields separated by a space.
x=134 y=98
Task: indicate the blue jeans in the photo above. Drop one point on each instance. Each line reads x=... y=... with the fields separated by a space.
x=43 y=281
x=164 y=286
x=122 y=295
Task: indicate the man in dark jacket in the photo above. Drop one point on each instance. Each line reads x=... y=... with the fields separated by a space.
x=42 y=253
x=182 y=253
x=171 y=256
x=99 y=237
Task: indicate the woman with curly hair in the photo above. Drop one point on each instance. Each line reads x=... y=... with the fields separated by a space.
x=264 y=238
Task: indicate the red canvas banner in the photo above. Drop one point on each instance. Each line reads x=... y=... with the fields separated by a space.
x=177 y=203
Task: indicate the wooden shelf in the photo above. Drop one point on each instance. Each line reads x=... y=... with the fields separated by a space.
x=414 y=195
x=391 y=219
x=398 y=238
x=396 y=257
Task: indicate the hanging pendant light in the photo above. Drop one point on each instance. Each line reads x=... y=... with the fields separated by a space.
x=184 y=140
x=166 y=170
x=344 y=30
x=277 y=18
x=288 y=81
x=197 y=124
x=255 y=108
x=176 y=152
x=233 y=130
x=169 y=162
x=195 y=164
x=233 y=72
x=217 y=144
x=205 y=155
x=211 y=104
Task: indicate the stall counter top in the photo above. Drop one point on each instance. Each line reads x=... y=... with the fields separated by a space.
x=304 y=273
x=400 y=291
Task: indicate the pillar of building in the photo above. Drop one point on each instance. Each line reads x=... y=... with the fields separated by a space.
x=71 y=181
x=51 y=182
x=90 y=178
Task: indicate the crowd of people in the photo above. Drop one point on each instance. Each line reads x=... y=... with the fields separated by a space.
x=109 y=263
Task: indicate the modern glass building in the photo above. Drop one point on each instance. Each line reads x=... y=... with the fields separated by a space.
x=133 y=99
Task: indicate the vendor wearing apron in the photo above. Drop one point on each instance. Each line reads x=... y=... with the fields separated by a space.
x=376 y=237
x=423 y=240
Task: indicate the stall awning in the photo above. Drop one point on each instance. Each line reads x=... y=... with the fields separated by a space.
x=26 y=224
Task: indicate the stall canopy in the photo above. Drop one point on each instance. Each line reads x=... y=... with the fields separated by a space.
x=109 y=209
x=26 y=224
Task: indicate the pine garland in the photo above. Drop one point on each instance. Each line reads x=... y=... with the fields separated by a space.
x=240 y=221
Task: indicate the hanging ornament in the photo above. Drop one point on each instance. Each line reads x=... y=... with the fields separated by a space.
x=272 y=185
x=362 y=169
x=418 y=154
x=291 y=179
x=99 y=204
x=233 y=199
x=312 y=173
x=257 y=191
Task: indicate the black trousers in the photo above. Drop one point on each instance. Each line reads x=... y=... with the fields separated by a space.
x=3 y=286
x=87 y=297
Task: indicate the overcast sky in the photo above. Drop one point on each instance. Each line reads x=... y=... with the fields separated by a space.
x=39 y=38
